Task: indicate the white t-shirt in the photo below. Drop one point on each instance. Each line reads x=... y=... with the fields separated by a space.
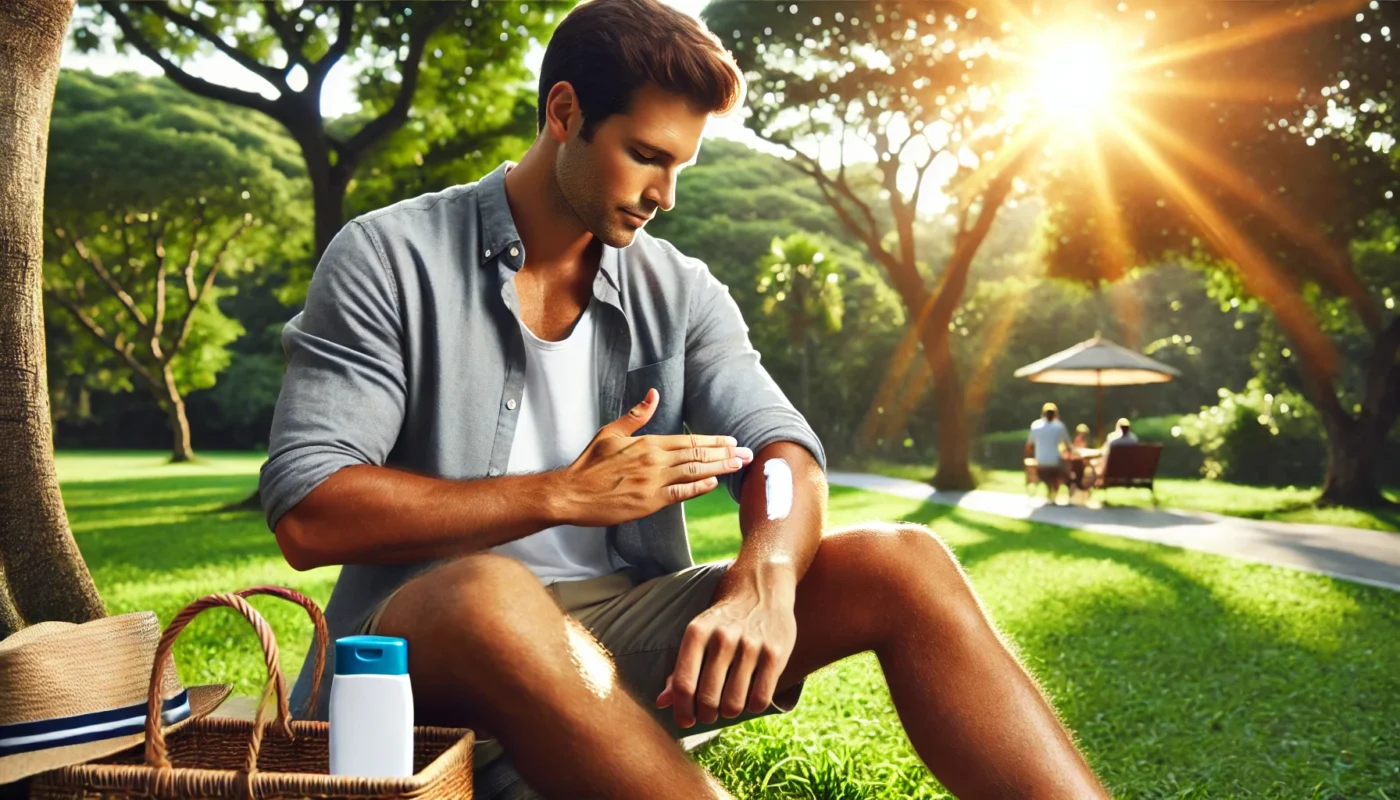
x=1047 y=436
x=558 y=418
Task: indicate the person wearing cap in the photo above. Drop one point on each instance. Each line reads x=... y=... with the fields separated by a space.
x=1122 y=434
x=1047 y=441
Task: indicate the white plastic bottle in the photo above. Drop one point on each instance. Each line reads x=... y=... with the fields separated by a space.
x=371 y=716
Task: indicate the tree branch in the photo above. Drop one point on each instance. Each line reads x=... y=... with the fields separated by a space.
x=94 y=263
x=292 y=42
x=97 y=331
x=394 y=118
x=187 y=322
x=272 y=75
x=185 y=80
x=345 y=34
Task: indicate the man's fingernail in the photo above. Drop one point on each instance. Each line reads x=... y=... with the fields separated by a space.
x=731 y=441
x=744 y=452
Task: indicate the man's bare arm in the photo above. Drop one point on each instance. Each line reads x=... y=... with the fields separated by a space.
x=379 y=515
x=733 y=653
x=367 y=514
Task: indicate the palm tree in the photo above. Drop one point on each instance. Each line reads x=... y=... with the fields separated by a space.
x=42 y=574
x=803 y=288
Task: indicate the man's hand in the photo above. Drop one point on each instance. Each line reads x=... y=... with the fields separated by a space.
x=620 y=477
x=734 y=652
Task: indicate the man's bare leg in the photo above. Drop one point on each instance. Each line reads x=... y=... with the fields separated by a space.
x=974 y=715
x=491 y=650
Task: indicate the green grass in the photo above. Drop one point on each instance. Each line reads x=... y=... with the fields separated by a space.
x=1283 y=504
x=1183 y=675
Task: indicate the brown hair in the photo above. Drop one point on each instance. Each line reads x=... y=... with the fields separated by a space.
x=606 y=49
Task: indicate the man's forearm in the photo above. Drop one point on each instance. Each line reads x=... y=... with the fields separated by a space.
x=775 y=553
x=378 y=515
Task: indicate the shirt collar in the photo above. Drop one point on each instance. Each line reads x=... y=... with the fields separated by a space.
x=499 y=237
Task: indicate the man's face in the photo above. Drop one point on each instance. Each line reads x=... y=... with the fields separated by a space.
x=616 y=182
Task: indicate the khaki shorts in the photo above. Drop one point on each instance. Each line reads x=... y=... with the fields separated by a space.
x=641 y=625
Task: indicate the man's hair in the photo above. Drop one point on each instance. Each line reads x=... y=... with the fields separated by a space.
x=607 y=49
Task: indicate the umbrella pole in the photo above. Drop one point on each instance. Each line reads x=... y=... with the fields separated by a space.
x=1100 y=381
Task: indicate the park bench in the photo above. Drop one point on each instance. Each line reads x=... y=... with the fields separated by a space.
x=1130 y=465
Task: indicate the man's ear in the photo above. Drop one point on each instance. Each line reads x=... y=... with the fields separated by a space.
x=561 y=111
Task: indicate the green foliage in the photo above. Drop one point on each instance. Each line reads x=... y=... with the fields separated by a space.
x=797 y=278
x=1259 y=437
x=175 y=190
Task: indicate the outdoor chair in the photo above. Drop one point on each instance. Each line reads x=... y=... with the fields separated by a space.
x=1130 y=465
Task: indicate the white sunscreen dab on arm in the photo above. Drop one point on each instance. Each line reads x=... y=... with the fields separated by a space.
x=777 y=479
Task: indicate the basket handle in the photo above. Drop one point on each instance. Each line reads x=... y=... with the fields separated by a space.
x=155 y=734
x=318 y=621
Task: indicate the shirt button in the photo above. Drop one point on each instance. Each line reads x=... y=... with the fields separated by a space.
x=511 y=404
x=488 y=253
x=514 y=251
x=494 y=472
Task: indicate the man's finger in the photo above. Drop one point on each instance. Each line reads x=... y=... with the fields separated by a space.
x=692 y=471
x=636 y=417
x=719 y=655
x=765 y=682
x=708 y=454
x=680 y=492
x=663 y=700
x=736 y=690
x=686 y=441
x=686 y=676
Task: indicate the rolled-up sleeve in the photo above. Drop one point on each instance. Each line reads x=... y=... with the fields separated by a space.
x=727 y=390
x=342 y=400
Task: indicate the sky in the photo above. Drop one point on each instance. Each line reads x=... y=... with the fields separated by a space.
x=337 y=96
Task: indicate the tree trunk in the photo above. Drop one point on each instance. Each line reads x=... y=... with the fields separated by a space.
x=174 y=405
x=42 y=574
x=954 y=439
x=1353 y=453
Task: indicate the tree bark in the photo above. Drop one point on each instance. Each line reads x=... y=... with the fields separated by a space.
x=42 y=574
x=174 y=405
x=1355 y=445
x=1353 y=453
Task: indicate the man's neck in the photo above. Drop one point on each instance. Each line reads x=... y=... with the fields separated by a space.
x=552 y=234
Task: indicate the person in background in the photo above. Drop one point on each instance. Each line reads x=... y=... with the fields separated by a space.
x=1081 y=436
x=1047 y=437
x=1123 y=434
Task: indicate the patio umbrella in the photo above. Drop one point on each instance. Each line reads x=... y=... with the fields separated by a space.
x=1098 y=362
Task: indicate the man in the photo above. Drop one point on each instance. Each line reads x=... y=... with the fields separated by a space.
x=438 y=435
x=1048 y=437
x=1122 y=434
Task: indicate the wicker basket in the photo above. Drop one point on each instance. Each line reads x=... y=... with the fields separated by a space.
x=232 y=758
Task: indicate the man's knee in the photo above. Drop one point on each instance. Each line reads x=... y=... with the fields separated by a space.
x=906 y=564
x=478 y=609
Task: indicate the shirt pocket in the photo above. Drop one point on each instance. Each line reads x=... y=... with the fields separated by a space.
x=666 y=377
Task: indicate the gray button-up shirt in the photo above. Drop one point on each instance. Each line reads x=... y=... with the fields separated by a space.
x=409 y=354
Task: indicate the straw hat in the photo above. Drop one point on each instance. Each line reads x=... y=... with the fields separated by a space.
x=71 y=693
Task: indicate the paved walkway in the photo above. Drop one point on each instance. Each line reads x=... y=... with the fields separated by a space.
x=1370 y=557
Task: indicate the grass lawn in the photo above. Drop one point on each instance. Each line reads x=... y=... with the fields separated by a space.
x=1284 y=504
x=1184 y=675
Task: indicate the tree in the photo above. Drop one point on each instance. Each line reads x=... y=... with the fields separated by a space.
x=802 y=294
x=173 y=195
x=1274 y=181
x=917 y=85
x=42 y=574
x=417 y=61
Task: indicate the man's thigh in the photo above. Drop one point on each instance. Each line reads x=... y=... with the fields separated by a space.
x=643 y=627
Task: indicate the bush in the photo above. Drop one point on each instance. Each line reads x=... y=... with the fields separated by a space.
x=1257 y=437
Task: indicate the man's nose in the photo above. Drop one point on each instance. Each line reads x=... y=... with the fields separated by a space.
x=663 y=194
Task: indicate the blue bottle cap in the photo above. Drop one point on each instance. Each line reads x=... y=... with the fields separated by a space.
x=371 y=655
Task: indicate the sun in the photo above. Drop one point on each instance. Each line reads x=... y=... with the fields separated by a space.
x=1072 y=77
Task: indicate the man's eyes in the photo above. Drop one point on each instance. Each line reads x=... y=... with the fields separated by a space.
x=637 y=156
